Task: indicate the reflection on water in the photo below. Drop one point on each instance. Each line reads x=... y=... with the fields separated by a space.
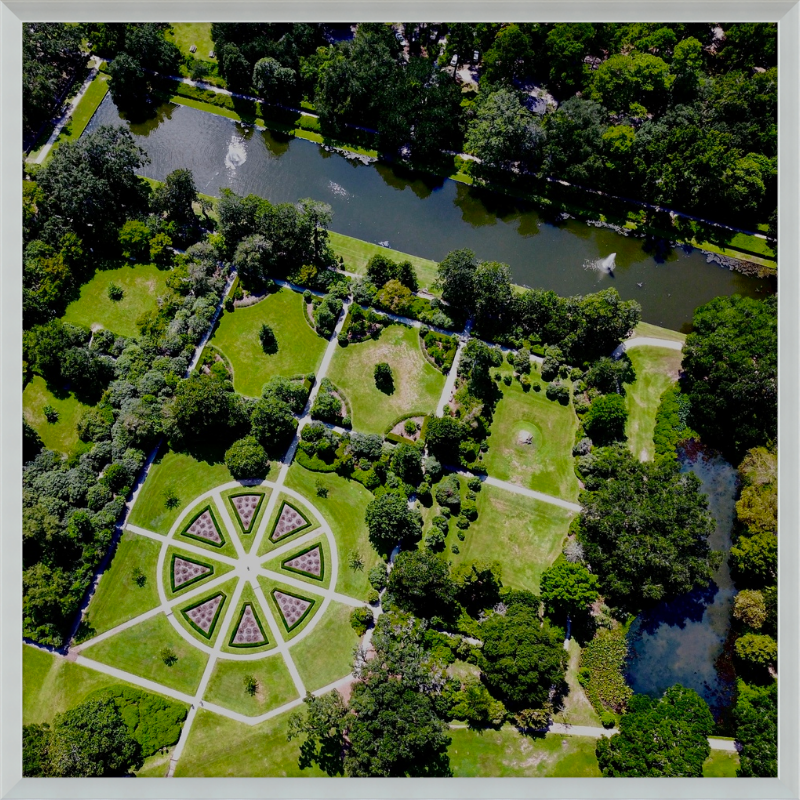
x=433 y=218
x=679 y=641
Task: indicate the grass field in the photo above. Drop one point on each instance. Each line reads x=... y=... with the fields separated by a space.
x=508 y=754
x=142 y=284
x=299 y=348
x=118 y=597
x=326 y=654
x=84 y=111
x=525 y=536
x=356 y=253
x=576 y=708
x=417 y=383
x=546 y=465
x=646 y=329
x=275 y=685
x=721 y=764
x=223 y=748
x=187 y=475
x=61 y=436
x=343 y=509
x=138 y=650
x=656 y=369
x=186 y=34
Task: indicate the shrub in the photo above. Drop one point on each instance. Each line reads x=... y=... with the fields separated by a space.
x=606 y=418
x=322 y=489
x=360 y=620
x=384 y=380
x=749 y=607
x=525 y=383
x=448 y=492
x=461 y=535
x=463 y=523
x=435 y=540
x=355 y=561
x=169 y=656
x=269 y=344
x=250 y=685
x=454 y=549
x=537 y=387
x=410 y=426
x=607 y=719
x=50 y=414
x=756 y=649
x=115 y=292
x=327 y=407
x=377 y=577
x=557 y=391
x=441 y=523
x=139 y=578
x=507 y=380
x=469 y=510
x=246 y=458
x=343 y=340
x=474 y=484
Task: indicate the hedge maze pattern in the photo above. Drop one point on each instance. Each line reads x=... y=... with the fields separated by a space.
x=248 y=631
x=204 y=528
x=309 y=562
x=246 y=507
x=204 y=615
x=293 y=608
x=185 y=571
x=289 y=521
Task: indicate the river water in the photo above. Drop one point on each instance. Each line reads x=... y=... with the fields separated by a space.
x=428 y=216
x=680 y=641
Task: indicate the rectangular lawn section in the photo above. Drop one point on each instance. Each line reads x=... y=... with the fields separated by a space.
x=83 y=112
x=576 y=708
x=508 y=754
x=721 y=764
x=218 y=747
x=417 y=384
x=656 y=370
x=118 y=597
x=326 y=654
x=356 y=253
x=187 y=475
x=138 y=650
x=275 y=686
x=344 y=509
x=60 y=436
x=141 y=284
x=524 y=535
x=299 y=351
x=546 y=464
x=186 y=34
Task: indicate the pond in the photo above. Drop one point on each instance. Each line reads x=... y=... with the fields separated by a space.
x=428 y=216
x=680 y=641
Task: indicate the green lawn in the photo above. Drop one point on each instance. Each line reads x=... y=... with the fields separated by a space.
x=275 y=685
x=508 y=754
x=299 y=348
x=546 y=464
x=356 y=253
x=61 y=436
x=417 y=383
x=656 y=369
x=646 y=329
x=84 y=111
x=138 y=650
x=118 y=597
x=344 y=510
x=326 y=654
x=155 y=766
x=525 y=536
x=187 y=475
x=141 y=283
x=186 y=34
x=721 y=764
x=218 y=747
x=576 y=708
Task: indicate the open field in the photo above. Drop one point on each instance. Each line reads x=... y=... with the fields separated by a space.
x=275 y=686
x=656 y=369
x=186 y=34
x=417 y=384
x=138 y=650
x=60 y=436
x=118 y=597
x=141 y=283
x=299 y=348
x=187 y=475
x=508 y=754
x=546 y=464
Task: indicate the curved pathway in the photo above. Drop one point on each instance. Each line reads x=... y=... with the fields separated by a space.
x=645 y=341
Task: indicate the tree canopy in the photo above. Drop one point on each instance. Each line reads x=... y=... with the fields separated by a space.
x=390 y=520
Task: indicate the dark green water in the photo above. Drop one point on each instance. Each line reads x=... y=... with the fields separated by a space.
x=427 y=216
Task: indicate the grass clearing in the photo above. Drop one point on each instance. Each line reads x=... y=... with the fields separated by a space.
x=141 y=284
x=656 y=370
x=344 y=510
x=186 y=34
x=156 y=766
x=138 y=650
x=508 y=754
x=118 y=597
x=218 y=747
x=524 y=535
x=326 y=654
x=721 y=764
x=417 y=383
x=187 y=475
x=576 y=708
x=546 y=464
x=300 y=350
x=275 y=686
x=61 y=436
x=646 y=329
x=356 y=253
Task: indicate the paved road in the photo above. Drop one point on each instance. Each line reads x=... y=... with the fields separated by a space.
x=452 y=375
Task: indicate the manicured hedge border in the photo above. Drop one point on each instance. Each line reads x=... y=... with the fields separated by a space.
x=321 y=576
x=196 y=578
x=208 y=542
x=299 y=597
x=239 y=622
x=397 y=438
x=253 y=521
x=285 y=503
x=213 y=621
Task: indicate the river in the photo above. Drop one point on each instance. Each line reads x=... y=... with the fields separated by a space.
x=428 y=216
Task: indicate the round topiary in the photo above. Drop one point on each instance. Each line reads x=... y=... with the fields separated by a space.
x=246 y=458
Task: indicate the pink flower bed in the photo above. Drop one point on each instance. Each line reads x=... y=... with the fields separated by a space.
x=204 y=528
x=291 y=607
x=203 y=615
x=184 y=571
x=290 y=520
x=248 y=631
x=310 y=562
x=246 y=506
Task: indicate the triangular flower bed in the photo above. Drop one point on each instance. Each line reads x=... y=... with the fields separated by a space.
x=290 y=520
x=248 y=631
x=203 y=616
x=203 y=527
x=309 y=562
x=185 y=571
x=293 y=607
x=245 y=509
